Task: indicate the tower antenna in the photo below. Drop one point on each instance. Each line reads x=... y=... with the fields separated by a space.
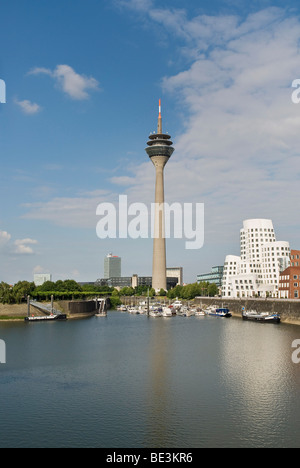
x=159 y=126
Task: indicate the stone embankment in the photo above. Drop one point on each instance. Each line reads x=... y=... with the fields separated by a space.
x=73 y=309
x=288 y=309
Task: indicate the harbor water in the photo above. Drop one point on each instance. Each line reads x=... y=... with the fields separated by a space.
x=132 y=381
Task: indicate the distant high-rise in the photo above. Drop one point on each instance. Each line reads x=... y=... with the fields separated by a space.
x=112 y=267
x=41 y=278
x=159 y=151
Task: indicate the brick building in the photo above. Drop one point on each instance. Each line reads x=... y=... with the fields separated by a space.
x=289 y=280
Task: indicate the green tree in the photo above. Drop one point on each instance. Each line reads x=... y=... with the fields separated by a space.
x=6 y=294
x=213 y=290
x=21 y=290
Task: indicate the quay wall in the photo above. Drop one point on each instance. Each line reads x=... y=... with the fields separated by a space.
x=288 y=309
x=78 y=308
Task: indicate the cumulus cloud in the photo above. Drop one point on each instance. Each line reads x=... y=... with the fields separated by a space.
x=24 y=246
x=76 y=86
x=17 y=247
x=28 y=107
x=4 y=238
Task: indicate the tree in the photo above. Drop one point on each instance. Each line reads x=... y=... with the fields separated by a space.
x=47 y=286
x=6 y=294
x=21 y=290
x=71 y=285
x=127 y=291
x=213 y=290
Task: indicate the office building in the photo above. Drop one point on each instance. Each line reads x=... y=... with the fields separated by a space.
x=256 y=272
x=133 y=282
x=41 y=278
x=176 y=272
x=112 y=267
x=214 y=277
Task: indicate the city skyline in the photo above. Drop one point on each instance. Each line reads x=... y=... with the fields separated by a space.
x=80 y=104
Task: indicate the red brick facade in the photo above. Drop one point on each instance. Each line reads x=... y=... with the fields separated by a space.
x=289 y=280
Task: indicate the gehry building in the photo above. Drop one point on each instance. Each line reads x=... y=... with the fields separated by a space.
x=256 y=272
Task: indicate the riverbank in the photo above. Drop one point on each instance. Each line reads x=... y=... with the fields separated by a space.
x=15 y=312
x=73 y=310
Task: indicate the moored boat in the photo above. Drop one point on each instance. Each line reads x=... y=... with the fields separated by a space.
x=218 y=312
x=263 y=317
x=167 y=312
x=46 y=318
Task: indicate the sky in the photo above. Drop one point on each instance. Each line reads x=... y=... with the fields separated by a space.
x=83 y=80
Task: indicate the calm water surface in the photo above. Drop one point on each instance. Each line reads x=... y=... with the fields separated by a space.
x=132 y=381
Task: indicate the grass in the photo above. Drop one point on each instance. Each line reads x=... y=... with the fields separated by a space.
x=9 y=317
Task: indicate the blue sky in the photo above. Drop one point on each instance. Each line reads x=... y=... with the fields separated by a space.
x=83 y=81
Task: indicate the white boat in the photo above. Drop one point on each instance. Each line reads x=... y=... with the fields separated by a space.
x=167 y=312
x=199 y=313
x=177 y=305
x=133 y=310
x=190 y=312
x=156 y=312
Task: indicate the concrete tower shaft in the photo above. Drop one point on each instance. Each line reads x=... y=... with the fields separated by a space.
x=159 y=151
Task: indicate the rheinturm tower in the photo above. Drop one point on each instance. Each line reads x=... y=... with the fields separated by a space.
x=159 y=151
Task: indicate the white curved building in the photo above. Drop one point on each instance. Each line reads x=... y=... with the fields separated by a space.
x=256 y=272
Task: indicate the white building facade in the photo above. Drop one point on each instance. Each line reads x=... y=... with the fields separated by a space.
x=256 y=272
x=41 y=278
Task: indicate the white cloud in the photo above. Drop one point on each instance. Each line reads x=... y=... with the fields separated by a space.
x=76 y=86
x=19 y=246
x=39 y=269
x=4 y=238
x=27 y=107
x=77 y=212
x=23 y=246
